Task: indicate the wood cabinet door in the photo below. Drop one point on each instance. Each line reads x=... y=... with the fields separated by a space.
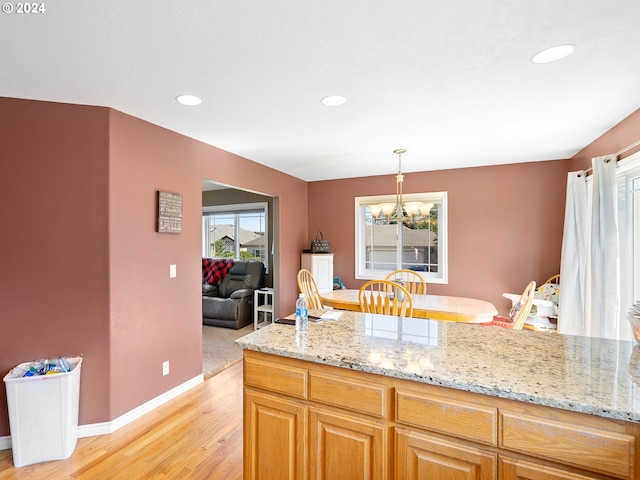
x=275 y=431
x=346 y=447
x=513 y=469
x=423 y=456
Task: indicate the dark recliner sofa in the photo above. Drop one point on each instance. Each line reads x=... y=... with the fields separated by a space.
x=230 y=302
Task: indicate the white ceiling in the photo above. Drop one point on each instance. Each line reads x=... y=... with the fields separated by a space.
x=449 y=81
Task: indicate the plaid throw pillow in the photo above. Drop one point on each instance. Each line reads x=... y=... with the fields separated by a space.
x=213 y=269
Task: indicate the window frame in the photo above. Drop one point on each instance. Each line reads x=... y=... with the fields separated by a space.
x=235 y=210
x=628 y=170
x=362 y=273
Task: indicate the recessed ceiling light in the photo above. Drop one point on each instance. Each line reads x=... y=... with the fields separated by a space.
x=333 y=100
x=552 y=54
x=190 y=100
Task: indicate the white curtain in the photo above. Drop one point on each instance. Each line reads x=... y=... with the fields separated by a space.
x=589 y=269
x=573 y=263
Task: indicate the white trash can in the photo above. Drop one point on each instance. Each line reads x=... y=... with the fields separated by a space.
x=43 y=413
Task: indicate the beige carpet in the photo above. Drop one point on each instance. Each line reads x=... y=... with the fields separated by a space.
x=219 y=349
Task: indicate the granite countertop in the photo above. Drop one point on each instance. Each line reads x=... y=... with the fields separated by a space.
x=589 y=375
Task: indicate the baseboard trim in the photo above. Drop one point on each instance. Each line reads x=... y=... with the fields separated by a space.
x=105 y=428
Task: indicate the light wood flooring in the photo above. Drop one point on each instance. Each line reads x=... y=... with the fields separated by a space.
x=195 y=436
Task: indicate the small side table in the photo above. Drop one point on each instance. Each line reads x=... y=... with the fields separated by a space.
x=262 y=302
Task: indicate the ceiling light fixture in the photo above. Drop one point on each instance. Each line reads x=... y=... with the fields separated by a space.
x=399 y=212
x=190 y=100
x=333 y=100
x=398 y=215
x=553 y=54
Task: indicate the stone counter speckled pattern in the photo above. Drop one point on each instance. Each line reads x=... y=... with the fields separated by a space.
x=589 y=375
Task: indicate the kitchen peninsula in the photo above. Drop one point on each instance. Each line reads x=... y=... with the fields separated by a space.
x=370 y=396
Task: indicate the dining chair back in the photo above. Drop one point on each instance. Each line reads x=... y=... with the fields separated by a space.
x=554 y=279
x=386 y=298
x=414 y=282
x=522 y=308
x=307 y=285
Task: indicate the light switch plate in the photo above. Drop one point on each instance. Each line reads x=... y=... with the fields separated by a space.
x=172 y=271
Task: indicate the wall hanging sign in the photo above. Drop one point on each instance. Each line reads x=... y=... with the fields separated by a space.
x=169 y=208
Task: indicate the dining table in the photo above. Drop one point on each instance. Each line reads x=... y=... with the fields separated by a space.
x=436 y=307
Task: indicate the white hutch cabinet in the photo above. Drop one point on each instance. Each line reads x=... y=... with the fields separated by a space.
x=321 y=267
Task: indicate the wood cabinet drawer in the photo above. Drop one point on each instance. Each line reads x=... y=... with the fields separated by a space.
x=276 y=377
x=363 y=397
x=601 y=451
x=444 y=415
x=511 y=468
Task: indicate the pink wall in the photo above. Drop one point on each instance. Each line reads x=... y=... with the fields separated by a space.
x=153 y=317
x=620 y=136
x=54 y=260
x=85 y=272
x=505 y=224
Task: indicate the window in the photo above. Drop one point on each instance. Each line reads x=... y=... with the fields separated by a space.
x=418 y=244
x=629 y=237
x=236 y=231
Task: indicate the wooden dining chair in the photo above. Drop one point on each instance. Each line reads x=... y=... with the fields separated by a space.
x=554 y=279
x=386 y=298
x=522 y=308
x=414 y=282
x=307 y=285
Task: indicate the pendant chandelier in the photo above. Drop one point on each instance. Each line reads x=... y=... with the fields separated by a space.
x=399 y=211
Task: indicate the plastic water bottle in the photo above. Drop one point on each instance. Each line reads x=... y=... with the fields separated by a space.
x=302 y=314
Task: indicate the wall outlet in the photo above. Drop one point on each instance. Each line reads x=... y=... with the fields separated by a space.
x=165 y=368
x=172 y=271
